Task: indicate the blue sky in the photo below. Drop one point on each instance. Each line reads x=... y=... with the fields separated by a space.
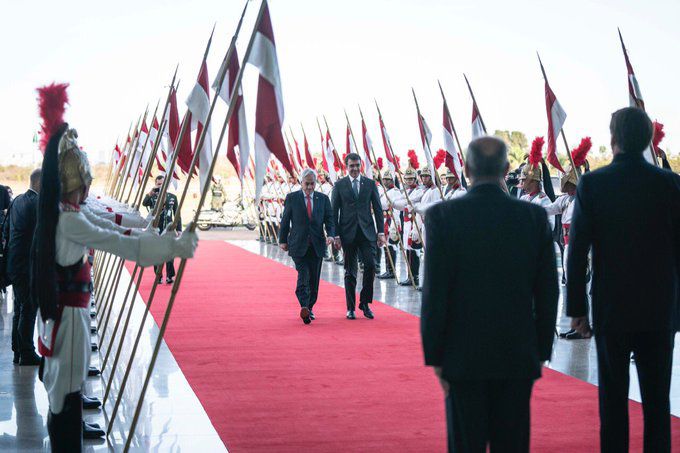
x=333 y=55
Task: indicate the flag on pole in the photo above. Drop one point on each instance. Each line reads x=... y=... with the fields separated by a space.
x=556 y=118
x=453 y=160
x=185 y=153
x=238 y=132
x=633 y=87
x=392 y=163
x=198 y=104
x=298 y=156
x=329 y=157
x=269 y=108
x=366 y=141
x=478 y=129
x=308 y=154
x=426 y=139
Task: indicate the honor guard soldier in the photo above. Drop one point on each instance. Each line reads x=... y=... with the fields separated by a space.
x=431 y=193
x=392 y=226
x=453 y=187
x=62 y=283
x=411 y=239
x=531 y=179
x=217 y=191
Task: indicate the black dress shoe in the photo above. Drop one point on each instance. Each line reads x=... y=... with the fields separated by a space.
x=350 y=314
x=160 y=280
x=311 y=315
x=328 y=259
x=169 y=280
x=340 y=262
x=92 y=431
x=29 y=359
x=93 y=329
x=93 y=314
x=16 y=358
x=386 y=275
x=94 y=347
x=574 y=336
x=92 y=371
x=568 y=332
x=91 y=403
x=367 y=311
x=304 y=314
x=407 y=282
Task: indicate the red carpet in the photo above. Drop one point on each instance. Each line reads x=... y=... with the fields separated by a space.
x=270 y=383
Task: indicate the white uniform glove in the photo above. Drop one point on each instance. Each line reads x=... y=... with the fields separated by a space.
x=185 y=245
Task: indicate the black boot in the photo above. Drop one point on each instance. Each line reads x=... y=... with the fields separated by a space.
x=66 y=428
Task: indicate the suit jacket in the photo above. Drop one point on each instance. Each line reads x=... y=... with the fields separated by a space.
x=350 y=212
x=629 y=213
x=482 y=318
x=298 y=231
x=22 y=221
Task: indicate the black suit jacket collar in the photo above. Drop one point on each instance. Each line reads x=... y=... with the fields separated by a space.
x=487 y=189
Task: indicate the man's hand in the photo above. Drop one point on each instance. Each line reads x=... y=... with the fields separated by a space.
x=329 y=240
x=582 y=326
x=283 y=247
x=444 y=383
x=338 y=244
x=382 y=242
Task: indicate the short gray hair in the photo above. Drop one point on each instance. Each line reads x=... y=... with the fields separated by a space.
x=306 y=172
x=487 y=157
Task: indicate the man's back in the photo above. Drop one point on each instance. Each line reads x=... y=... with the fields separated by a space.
x=490 y=290
x=630 y=212
x=22 y=221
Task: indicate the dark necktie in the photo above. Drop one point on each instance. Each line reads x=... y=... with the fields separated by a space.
x=355 y=187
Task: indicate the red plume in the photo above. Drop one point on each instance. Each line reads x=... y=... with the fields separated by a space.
x=52 y=100
x=536 y=153
x=439 y=158
x=659 y=134
x=315 y=162
x=380 y=163
x=413 y=159
x=581 y=151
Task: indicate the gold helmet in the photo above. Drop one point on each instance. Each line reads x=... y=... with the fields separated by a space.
x=578 y=155
x=426 y=171
x=532 y=169
x=410 y=172
x=74 y=167
x=387 y=175
x=450 y=174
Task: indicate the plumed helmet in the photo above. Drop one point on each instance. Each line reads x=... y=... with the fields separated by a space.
x=410 y=172
x=578 y=155
x=387 y=175
x=74 y=167
x=532 y=170
x=425 y=171
x=450 y=174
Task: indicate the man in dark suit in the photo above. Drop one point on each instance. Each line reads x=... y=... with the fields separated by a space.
x=22 y=221
x=305 y=214
x=167 y=216
x=486 y=326
x=629 y=213
x=357 y=231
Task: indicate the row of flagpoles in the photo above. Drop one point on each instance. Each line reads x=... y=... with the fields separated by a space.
x=269 y=136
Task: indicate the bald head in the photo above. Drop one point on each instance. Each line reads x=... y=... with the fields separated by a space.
x=35 y=179
x=487 y=159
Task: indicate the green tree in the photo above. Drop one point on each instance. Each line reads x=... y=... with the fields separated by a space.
x=518 y=145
